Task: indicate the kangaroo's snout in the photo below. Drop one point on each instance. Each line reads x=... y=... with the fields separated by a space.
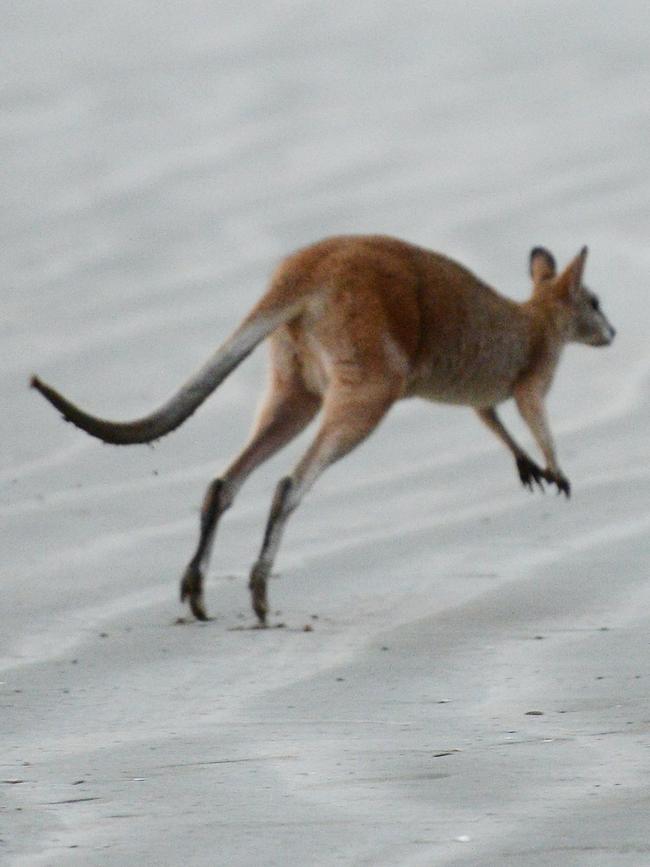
x=605 y=338
x=609 y=336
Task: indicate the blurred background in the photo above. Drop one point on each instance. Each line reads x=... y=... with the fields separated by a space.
x=156 y=161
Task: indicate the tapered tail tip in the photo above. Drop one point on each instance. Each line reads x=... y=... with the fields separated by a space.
x=41 y=387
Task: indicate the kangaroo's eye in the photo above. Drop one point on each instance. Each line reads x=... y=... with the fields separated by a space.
x=595 y=303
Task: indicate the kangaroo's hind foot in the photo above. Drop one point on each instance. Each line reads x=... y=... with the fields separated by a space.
x=192 y=591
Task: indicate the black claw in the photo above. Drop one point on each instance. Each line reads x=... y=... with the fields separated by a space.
x=192 y=591
x=562 y=483
x=529 y=473
x=196 y=606
x=257 y=585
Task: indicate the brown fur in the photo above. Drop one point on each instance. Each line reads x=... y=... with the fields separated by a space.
x=354 y=324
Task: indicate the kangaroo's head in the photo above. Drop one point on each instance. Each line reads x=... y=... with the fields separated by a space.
x=577 y=309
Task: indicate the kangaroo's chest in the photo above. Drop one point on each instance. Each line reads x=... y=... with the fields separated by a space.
x=474 y=366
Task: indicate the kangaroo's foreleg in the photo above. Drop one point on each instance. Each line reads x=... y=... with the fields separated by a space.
x=529 y=471
x=530 y=403
x=350 y=415
x=287 y=410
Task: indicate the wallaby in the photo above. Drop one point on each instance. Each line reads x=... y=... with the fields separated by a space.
x=356 y=323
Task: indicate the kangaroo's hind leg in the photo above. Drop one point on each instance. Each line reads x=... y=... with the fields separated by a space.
x=286 y=410
x=349 y=415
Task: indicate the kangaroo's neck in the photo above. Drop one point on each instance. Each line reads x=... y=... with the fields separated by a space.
x=548 y=336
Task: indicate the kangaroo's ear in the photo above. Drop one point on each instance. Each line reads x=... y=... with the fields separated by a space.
x=542 y=265
x=570 y=281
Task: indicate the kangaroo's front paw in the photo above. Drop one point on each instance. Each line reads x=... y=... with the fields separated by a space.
x=192 y=591
x=530 y=473
x=257 y=585
x=558 y=478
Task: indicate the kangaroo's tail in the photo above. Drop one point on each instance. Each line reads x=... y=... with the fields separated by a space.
x=264 y=319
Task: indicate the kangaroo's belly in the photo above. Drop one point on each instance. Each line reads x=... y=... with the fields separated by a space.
x=480 y=373
x=465 y=391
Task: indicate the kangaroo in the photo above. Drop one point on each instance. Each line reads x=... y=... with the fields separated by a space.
x=356 y=323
